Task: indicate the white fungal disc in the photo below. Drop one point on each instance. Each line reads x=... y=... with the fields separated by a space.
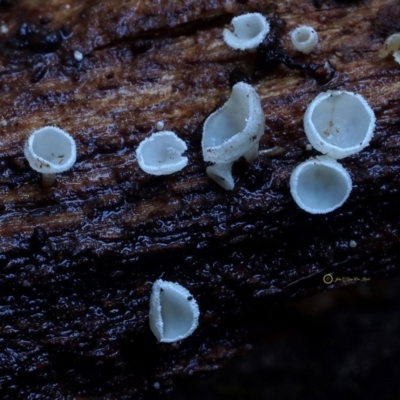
x=235 y=129
x=320 y=185
x=339 y=123
x=174 y=313
x=304 y=38
x=249 y=31
x=50 y=150
x=161 y=153
x=222 y=174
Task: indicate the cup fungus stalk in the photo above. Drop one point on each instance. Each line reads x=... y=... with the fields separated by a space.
x=320 y=185
x=50 y=150
x=174 y=313
x=249 y=31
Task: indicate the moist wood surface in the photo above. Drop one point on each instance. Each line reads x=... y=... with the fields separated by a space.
x=77 y=260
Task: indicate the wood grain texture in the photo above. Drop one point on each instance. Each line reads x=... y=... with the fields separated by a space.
x=77 y=260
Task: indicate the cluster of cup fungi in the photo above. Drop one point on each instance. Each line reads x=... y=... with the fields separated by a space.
x=336 y=123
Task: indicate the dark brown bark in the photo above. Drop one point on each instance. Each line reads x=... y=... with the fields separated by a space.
x=77 y=260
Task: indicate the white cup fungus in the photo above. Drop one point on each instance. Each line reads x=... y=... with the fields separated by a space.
x=50 y=150
x=320 y=185
x=174 y=313
x=249 y=31
x=161 y=153
x=391 y=45
x=234 y=130
x=160 y=125
x=339 y=123
x=304 y=38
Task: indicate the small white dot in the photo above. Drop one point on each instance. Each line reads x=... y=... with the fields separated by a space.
x=156 y=385
x=78 y=55
x=3 y=122
x=4 y=29
x=308 y=147
x=353 y=243
x=160 y=125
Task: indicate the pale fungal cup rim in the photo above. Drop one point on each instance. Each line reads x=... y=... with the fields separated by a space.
x=238 y=43
x=231 y=132
x=320 y=143
x=242 y=142
x=177 y=146
x=308 y=45
x=324 y=161
x=43 y=165
x=155 y=312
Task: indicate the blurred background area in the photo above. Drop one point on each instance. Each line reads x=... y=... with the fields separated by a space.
x=342 y=344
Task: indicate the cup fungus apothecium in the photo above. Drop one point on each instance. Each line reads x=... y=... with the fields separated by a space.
x=320 y=185
x=161 y=153
x=50 y=150
x=339 y=123
x=174 y=313
x=233 y=131
x=304 y=38
x=249 y=31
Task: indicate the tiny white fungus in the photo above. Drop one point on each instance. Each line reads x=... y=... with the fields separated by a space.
x=174 y=313
x=391 y=45
x=160 y=125
x=320 y=185
x=161 y=153
x=339 y=123
x=249 y=31
x=78 y=55
x=308 y=147
x=353 y=243
x=4 y=29
x=304 y=38
x=234 y=130
x=222 y=174
x=3 y=123
x=50 y=150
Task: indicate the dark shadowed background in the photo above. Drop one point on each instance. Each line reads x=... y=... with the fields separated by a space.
x=342 y=344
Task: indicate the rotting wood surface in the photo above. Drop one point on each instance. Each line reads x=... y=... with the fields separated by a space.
x=77 y=261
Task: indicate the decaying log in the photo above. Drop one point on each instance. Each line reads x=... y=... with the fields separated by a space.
x=77 y=260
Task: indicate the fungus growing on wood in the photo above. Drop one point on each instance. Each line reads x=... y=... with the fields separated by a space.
x=320 y=185
x=339 y=123
x=174 y=313
x=391 y=45
x=222 y=174
x=160 y=125
x=78 y=55
x=249 y=31
x=161 y=153
x=50 y=150
x=234 y=130
x=304 y=38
